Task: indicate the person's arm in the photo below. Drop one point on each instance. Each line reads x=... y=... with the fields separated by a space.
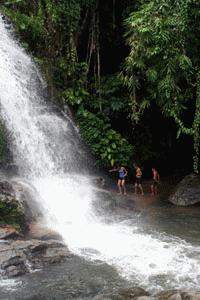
x=113 y=170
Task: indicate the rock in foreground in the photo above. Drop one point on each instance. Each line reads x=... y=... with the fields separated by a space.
x=137 y=293
x=22 y=256
x=12 y=211
x=125 y=294
x=187 y=191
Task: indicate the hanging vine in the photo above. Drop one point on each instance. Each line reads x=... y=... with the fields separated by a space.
x=93 y=51
x=196 y=128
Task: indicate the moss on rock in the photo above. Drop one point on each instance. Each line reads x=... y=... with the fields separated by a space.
x=11 y=209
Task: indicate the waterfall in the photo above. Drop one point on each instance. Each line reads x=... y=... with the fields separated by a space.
x=48 y=154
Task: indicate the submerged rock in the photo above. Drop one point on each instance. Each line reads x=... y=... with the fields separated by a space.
x=125 y=294
x=187 y=191
x=137 y=293
x=191 y=295
x=169 y=295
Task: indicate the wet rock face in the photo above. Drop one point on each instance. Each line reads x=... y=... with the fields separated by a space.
x=17 y=205
x=23 y=256
x=6 y=188
x=7 y=21
x=12 y=210
x=169 y=295
x=187 y=191
x=98 y=181
x=8 y=232
x=128 y=294
x=41 y=232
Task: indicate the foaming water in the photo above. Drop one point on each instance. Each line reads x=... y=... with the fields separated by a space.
x=153 y=261
x=47 y=152
x=9 y=284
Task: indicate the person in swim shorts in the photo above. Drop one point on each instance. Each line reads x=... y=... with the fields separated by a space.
x=122 y=173
x=138 y=180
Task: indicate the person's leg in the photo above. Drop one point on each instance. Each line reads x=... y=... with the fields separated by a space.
x=141 y=189
x=123 y=186
x=119 y=186
x=155 y=188
x=135 y=188
x=152 y=189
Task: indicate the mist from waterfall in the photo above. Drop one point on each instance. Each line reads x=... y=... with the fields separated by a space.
x=47 y=151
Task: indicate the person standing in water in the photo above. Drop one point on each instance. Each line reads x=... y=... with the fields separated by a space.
x=156 y=180
x=122 y=173
x=138 y=180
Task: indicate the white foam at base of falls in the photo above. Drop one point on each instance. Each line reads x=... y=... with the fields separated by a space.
x=153 y=261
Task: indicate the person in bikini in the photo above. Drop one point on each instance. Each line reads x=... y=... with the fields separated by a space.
x=138 y=180
x=122 y=173
x=156 y=180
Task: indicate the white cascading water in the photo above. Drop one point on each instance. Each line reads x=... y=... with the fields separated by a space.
x=48 y=157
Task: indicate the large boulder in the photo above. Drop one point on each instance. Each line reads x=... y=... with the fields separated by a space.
x=137 y=293
x=8 y=232
x=12 y=211
x=23 y=256
x=178 y=295
x=17 y=204
x=187 y=191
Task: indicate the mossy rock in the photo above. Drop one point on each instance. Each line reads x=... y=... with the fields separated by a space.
x=11 y=209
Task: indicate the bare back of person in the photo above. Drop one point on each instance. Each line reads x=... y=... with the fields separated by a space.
x=156 y=180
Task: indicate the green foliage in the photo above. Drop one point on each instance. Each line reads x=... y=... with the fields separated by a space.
x=107 y=145
x=111 y=98
x=14 y=2
x=196 y=128
x=161 y=66
x=156 y=36
x=77 y=93
x=75 y=96
x=11 y=214
x=65 y=11
x=30 y=27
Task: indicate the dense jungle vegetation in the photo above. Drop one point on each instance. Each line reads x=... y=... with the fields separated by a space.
x=128 y=70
